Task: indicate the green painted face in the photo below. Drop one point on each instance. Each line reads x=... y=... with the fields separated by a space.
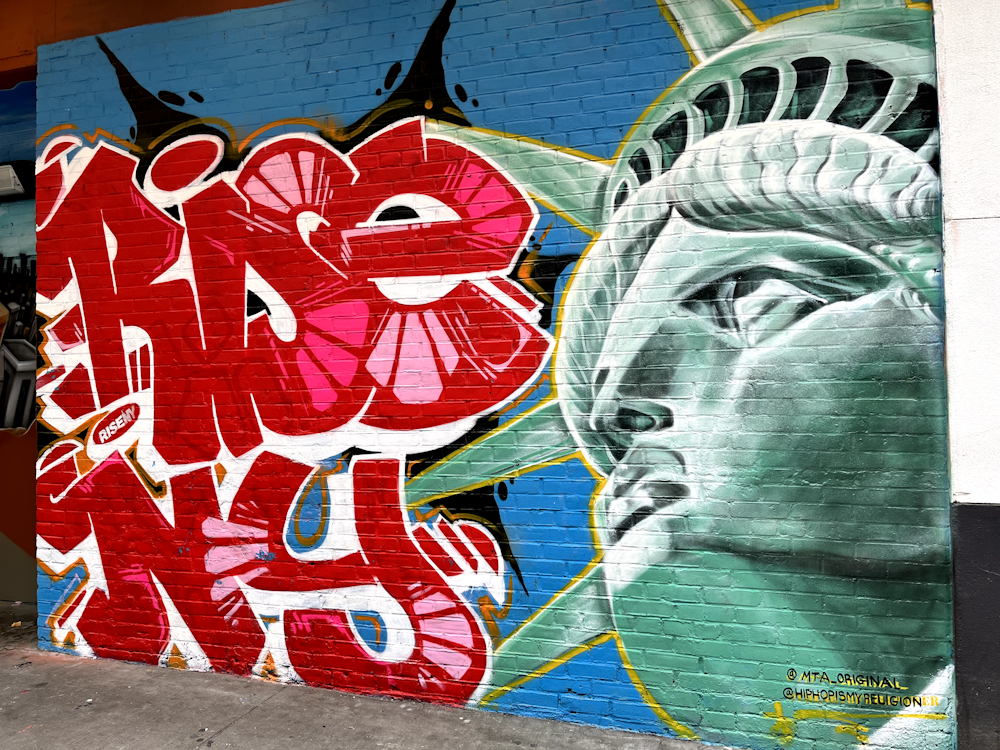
x=771 y=375
x=768 y=408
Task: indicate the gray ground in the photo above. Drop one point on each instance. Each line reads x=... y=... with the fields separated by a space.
x=56 y=702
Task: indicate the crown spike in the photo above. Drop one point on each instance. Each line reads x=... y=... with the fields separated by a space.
x=707 y=26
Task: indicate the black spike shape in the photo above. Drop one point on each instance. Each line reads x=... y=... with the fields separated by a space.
x=423 y=92
x=154 y=119
x=481 y=505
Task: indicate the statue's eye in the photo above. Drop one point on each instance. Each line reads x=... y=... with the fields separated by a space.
x=759 y=302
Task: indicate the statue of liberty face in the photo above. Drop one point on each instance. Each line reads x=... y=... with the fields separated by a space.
x=771 y=394
x=768 y=410
x=753 y=359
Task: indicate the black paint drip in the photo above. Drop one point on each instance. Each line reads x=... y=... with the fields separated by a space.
x=481 y=505
x=153 y=118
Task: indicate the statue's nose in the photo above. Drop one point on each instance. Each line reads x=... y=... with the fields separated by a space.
x=646 y=476
x=634 y=383
x=621 y=421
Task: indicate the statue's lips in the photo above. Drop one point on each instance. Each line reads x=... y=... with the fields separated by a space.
x=637 y=491
x=651 y=498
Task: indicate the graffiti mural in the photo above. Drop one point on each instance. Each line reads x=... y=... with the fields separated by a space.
x=638 y=423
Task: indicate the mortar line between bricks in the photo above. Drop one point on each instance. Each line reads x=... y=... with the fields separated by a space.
x=971 y=218
x=243 y=716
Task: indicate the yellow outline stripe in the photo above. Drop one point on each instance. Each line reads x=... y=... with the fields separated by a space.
x=493 y=480
x=324 y=512
x=556 y=596
x=56 y=129
x=665 y=12
x=196 y=121
x=593 y=233
x=340 y=134
x=491 y=613
x=547 y=667
x=749 y=14
x=102 y=133
x=80 y=590
x=762 y=25
x=277 y=124
x=536 y=142
x=375 y=623
x=680 y=729
x=542 y=379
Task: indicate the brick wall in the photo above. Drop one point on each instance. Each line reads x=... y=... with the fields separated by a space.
x=580 y=361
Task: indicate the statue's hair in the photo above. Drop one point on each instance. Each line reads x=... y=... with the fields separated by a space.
x=812 y=176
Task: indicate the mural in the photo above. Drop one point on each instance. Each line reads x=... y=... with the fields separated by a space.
x=432 y=405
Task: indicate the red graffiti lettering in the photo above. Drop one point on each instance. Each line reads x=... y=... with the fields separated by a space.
x=378 y=280
x=203 y=361
x=199 y=559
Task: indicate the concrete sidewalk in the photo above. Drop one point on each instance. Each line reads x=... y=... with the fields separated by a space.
x=55 y=702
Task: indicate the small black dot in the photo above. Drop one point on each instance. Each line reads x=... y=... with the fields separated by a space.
x=196 y=96
x=475 y=102
x=378 y=92
x=502 y=491
x=460 y=90
x=131 y=132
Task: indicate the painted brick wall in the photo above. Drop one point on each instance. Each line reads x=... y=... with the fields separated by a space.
x=580 y=361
